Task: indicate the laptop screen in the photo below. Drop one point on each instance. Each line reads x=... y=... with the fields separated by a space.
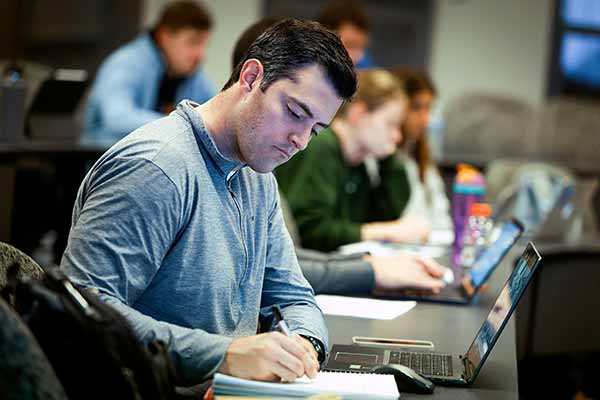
x=501 y=240
x=503 y=307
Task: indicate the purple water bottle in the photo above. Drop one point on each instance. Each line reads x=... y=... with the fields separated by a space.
x=468 y=189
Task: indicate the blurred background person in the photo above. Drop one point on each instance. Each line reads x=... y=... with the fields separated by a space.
x=351 y=23
x=348 y=186
x=428 y=197
x=143 y=80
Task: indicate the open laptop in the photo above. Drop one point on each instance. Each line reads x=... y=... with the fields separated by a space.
x=503 y=236
x=52 y=115
x=447 y=369
x=566 y=218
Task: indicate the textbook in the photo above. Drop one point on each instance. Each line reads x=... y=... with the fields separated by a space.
x=347 y=385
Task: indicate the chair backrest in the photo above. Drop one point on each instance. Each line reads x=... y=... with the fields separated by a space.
x=27 y=266
x=559 y=313
x=25 y=372
x=569 y=133
x=526 y=190
x=489 y=126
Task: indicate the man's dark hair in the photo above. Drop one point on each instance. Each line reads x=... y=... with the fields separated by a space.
x=340 y=12
x=184 y=14
x=291 y=44
x=248 y=37
x=414 y=80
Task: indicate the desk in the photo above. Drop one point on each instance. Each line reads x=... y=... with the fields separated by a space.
x=451 y=328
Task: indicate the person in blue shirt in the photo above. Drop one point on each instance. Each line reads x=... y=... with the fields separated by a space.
x=179 y=227
x=144 y=79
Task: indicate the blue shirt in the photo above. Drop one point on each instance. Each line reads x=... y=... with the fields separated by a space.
x=187 y=244
x=125 y=91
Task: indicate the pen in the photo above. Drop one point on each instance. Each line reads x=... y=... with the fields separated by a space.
x=280 y=322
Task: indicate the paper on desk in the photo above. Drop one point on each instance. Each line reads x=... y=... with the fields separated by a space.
x=348 y=386
x=381 y=249
x=424 y=251
x=363 y=308
x=373 y=247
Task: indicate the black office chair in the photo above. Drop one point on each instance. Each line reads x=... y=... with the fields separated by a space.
x=27 y=267
x=558 y=324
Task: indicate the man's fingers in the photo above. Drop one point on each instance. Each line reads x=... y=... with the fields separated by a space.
x=307 y=346
x=290 y=359
x=281 y=370
x=304 y=351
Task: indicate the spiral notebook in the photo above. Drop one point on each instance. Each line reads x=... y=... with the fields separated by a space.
x=349 y=386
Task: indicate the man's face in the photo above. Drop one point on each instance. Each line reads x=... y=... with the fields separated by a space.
x=271 y=126
x=417 y=117
x=183 y=49
x=355 y=40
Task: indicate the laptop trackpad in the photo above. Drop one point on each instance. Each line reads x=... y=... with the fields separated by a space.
x=356 y=358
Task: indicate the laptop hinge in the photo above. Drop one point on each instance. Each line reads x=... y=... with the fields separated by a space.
x=468 y=367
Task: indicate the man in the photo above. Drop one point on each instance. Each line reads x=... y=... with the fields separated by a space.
x=351 y=23
x=177 y=228
x=143 y=80
x=338 y=274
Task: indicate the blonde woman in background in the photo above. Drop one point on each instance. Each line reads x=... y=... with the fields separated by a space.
x=348 y=186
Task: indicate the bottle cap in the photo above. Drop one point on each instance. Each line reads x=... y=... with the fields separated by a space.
x=468 y=174
x=481 y=210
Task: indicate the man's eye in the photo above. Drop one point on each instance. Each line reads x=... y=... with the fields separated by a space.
x=292 y=113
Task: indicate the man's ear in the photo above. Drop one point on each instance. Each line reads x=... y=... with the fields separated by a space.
x=251 y=74
x=356 y=111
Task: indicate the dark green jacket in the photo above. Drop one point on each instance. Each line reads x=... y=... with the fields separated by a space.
x=331 y=200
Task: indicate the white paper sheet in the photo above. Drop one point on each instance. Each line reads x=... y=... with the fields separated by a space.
x=372 y=247
x=348 y=386
x=385 y=250
x=363 y=308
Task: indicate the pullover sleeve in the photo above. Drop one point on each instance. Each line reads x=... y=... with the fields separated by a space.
x=125 y=219
x=333 y=274
x=284 y=283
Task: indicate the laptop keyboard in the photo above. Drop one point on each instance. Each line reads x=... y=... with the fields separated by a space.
x=424 y=363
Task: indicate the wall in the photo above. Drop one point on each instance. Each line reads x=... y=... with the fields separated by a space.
x=230 y=18
x=491 y=45
x=488 y=45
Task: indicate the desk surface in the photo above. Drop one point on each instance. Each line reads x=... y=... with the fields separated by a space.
x=452 y=329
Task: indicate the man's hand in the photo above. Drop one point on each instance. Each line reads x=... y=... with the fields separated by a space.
x=406 y=271
x=270 y=356
x=408 y=229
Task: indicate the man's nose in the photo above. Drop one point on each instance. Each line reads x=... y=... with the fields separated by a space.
x=300 y=140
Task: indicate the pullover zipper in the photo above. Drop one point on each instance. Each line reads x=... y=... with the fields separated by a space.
x=241 y=221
